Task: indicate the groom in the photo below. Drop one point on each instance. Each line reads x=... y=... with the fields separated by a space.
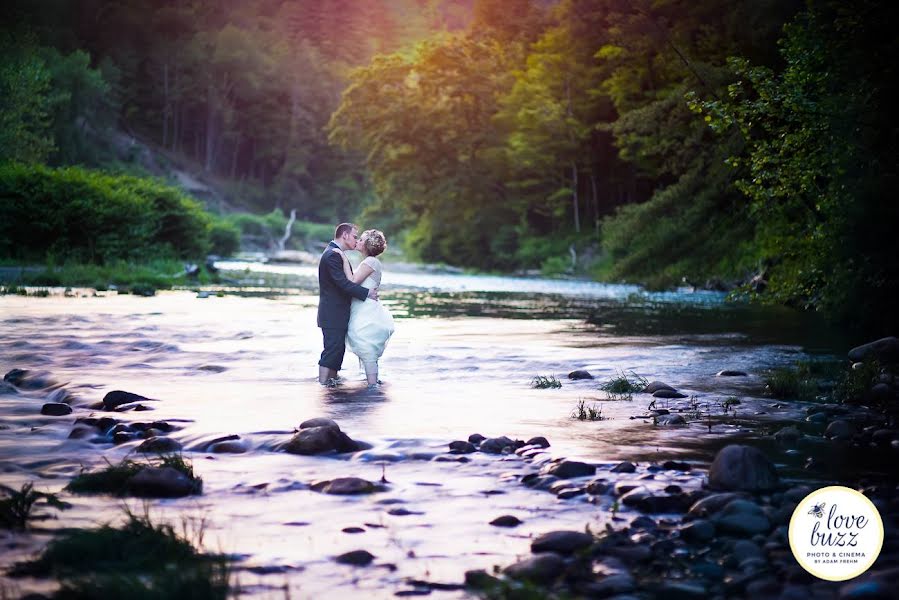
x=335 y=292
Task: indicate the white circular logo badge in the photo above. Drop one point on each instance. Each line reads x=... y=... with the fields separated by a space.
x=836 y=533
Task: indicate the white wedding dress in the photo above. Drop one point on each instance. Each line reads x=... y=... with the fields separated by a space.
x=371 y=324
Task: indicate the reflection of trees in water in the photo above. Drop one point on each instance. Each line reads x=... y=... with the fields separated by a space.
x=636 y=315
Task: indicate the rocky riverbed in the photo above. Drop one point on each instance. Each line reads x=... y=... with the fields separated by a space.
x=455 y=479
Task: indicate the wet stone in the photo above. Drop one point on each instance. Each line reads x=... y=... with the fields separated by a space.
x=160 y=445
x=506 y=521
x=670 y=420
x=542 y=568
x=80 y=432
x=738 y=467
x=123 y=437
x=161 y=482
x=539 y=441
x=567 y=493
x=318 y=422
x=56 y=409
x=598 y=487
x=624 y=467
x=580 y=374
x=229 y=447
x=561 y=542
x=730 y=373
x=117 y=397
x=568 y=469
x=666 y=393
x=460 y=447
x=345 y=486
x=698 y=531
x=356 y=558
x=353 y=530
x=319 y=440
x=654 y=386
x=476 y=438
x=673 y=465
x=497 y=445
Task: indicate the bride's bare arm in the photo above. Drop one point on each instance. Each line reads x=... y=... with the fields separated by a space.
x=361 y=273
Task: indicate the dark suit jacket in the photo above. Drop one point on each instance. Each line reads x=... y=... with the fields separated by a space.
x=335 y=291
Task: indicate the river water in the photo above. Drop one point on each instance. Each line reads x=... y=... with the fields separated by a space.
x=243 y=362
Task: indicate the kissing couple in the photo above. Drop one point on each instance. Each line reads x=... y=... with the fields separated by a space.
x=349 y=312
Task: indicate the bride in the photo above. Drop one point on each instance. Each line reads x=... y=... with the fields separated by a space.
x=370 y=323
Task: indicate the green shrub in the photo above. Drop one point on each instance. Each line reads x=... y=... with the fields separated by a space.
x=75 y=214
x=225 y=237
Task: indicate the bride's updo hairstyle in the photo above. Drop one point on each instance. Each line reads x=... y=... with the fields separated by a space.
x=374 y=241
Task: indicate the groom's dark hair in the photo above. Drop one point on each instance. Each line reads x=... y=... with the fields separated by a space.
x=343 y=228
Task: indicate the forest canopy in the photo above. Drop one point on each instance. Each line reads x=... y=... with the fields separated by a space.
x=659 y=142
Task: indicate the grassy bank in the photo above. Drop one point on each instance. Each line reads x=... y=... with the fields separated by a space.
x=125 y=277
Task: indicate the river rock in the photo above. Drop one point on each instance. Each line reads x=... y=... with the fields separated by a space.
x=651 y=502
x=674 y=465
x=319 y=440
x=598 y=487
x=497 y=445
x=506 y=521
x=654 y=386
x=713 y=503
x=542 y=568
x=880 y=393
x=885 y=350
x=580 y=374
x=838 y=430
x=562 y=542
x=80 y=432
x=117 y=397
x=788 y=435
x=461 y=447
x=568 y=469
x=56 y=409
x=319 y=422
x=624 y=467
x=698 y=531
x=476 y=438
x=25 y=379
x=745 y=549
x=664 y=393
x=159 y=445
x=738 y=467
x=682 y=590
x=345 y=486
x=730 y=373
x=539 y=441
x=356 y=558
x=670 y=420
x=742 y=517
x=161 y=482
x=234 y=446
x=883 y=436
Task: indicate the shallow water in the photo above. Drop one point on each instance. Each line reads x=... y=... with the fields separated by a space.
x=461 y=361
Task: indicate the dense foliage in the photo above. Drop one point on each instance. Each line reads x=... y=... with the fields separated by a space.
x=670 y=140
x=81 y=215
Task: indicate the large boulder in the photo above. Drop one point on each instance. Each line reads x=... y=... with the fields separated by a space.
x=320 y=440
x=885 y=350
x=738 y=467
